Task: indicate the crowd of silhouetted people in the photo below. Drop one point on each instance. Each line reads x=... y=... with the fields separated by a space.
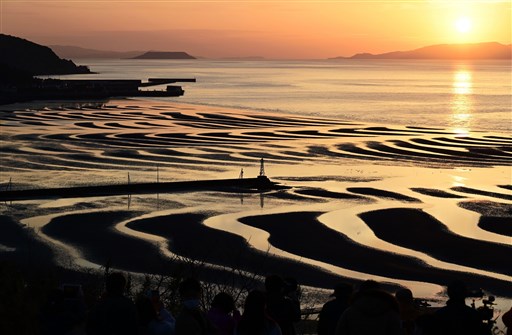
x=274 y=310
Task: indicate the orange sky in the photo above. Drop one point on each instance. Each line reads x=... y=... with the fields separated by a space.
x=272 y=29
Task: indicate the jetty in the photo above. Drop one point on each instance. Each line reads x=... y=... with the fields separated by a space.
x=78 y=89
x=240 y=185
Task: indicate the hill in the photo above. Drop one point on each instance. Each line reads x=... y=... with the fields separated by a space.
x=164 y=55
x=490 y=50
x=23 y=56
x=72 y=52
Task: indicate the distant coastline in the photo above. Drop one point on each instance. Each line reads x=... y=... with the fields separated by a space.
x=21 y=61
x=26 y=58
x=489 y=50
x=164 y=55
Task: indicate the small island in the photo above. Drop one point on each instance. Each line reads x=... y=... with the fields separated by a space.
x=165 y=55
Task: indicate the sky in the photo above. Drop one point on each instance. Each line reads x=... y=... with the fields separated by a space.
x=287 y=29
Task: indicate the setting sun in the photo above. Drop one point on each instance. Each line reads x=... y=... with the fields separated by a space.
x=463 y=24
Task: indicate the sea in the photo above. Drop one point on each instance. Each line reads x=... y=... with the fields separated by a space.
x=356 y=143
x=460 y=95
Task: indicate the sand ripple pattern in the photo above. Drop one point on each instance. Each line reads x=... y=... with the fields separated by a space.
x=130 y=136
x=76 y=145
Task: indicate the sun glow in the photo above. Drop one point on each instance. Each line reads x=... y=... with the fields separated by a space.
x=463 y=24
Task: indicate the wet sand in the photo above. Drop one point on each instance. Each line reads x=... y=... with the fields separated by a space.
x=414 y=229
x=329 y=165
x=190 y=238
x=302 y=234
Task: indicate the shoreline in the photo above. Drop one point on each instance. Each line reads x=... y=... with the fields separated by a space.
x=327 y=163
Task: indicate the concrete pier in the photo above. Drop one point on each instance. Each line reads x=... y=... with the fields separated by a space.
x=261 y=183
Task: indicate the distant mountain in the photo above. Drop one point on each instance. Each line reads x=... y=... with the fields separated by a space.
x=27 y=58
x=66 y=51
x=165 y=55
x=244 y=58
x=490 y=50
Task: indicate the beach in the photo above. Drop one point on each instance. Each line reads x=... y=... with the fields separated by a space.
x=405 y=205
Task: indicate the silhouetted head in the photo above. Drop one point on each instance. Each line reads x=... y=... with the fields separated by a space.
x=116 y=284
x=224 y=302
x=190 y=288
x=342 y=291
x=404 y=296
x=457 y=290
x=274 y=284
x=290 y=284
x=255 y=304
x=368 y=285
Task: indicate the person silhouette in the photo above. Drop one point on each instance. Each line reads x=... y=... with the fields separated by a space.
x=255 y=320
x=507 y=321
x=149 y=321
x=192 y=320
x=283 y=305
x=113 y=313
x=223 y=314
x=372 y=312
x=332 y=310
x=408 y=310
x=456 y=317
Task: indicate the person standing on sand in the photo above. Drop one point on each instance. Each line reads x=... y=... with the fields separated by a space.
x=114 y=313
x=192 y=320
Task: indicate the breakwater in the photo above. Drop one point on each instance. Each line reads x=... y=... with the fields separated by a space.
x=261 y=183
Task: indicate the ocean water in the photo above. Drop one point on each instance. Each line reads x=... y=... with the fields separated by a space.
x=458 y=95
x=369 y=150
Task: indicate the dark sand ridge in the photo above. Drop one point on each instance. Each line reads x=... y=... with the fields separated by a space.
x=242 y=122
x=436 y=193
x=94 y=234
x=292 y=120
x=319 y=192
x=362 y=179
x=29 y=251
x=188 y=237
x=470 y=190
x=410 y=151
x=115 y=161
x=495 y=217
x=417 y=230
x=457 y=143
x=485 y=140
x=269 y=120
x=377 y=131
x=480 y=153
x=302 y=234
x=381 y=193
x=317 y=134
x=118 y=125
x=377 y=150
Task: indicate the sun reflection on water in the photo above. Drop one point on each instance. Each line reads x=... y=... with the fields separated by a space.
x=462 y=105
